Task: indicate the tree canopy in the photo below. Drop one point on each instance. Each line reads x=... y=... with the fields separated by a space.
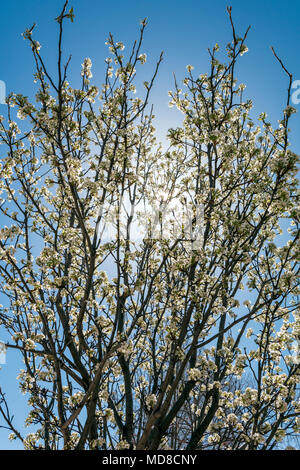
x=179 y=336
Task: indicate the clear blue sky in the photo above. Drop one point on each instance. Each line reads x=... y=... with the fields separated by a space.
x=184 y=30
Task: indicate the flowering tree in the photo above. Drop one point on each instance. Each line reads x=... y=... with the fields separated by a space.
x=149 y=342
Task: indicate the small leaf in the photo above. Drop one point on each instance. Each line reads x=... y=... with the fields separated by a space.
x=71 y=14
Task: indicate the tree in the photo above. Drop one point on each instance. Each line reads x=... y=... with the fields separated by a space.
x=149 y=342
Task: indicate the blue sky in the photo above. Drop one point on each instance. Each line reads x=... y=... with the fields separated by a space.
x=183 y=30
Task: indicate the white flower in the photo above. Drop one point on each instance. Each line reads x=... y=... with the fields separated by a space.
x=35 y=45
x=86 y=68
x=194 y=374
x=189 y=68
x=243 y=49
x=120 y=46
x=289 y=110
x=249 y=333
x=142 y=58
x=151 y=400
